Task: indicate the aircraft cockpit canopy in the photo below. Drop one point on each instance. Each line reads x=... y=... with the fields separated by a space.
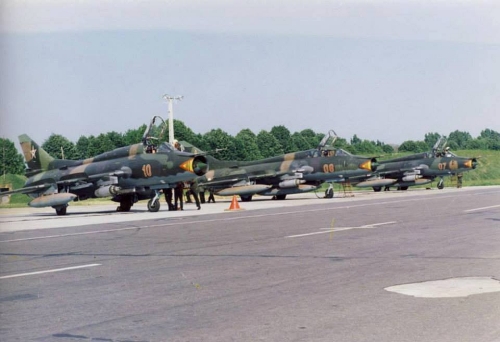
x=334 y=152
x=165 y=148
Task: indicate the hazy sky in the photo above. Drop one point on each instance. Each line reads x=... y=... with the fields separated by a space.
x=387 y=70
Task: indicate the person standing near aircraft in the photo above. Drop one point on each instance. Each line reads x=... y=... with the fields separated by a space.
x=211 y=196
x=178 y=196
x=168 y=198
x=193 y=189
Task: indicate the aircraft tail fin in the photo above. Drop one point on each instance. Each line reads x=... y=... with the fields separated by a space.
x=37 y=159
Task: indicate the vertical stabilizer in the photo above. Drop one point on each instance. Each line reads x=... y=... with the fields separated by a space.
x=36 y=157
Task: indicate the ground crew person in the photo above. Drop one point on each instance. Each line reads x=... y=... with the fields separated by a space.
x=201 y=193
x=188 y=193
x=168 y=198
x=194 y=191
x=211 y=196
x=178 y=196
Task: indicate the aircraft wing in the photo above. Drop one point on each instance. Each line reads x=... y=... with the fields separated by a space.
x=71 y=179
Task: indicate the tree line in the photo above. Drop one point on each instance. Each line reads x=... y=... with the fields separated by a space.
x=245 y=145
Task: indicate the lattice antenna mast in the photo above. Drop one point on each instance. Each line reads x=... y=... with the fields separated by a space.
x=170 y=100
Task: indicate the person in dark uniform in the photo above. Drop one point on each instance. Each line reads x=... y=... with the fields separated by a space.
x=211 y=196
x=168 y=198
x=178 y=193
x=194 y=191
x=201 y=193
x=188 y=195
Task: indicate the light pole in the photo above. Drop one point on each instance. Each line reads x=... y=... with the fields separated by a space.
x=170 y=100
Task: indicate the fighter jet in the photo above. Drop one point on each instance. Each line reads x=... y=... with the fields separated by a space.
x=286 y=174
x=126 y=175
x=418 y=169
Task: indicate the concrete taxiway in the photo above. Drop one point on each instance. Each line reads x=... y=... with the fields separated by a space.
x=399 y=266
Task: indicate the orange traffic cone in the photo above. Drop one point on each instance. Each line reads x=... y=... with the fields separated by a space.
x=234 y=205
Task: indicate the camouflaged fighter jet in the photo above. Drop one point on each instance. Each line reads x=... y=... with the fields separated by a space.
x=286 y=174
x=127 y=175
x=418 y=169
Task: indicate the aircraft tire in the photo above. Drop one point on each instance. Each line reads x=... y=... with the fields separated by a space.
x=61 y=211
x=440 y=186
x=246 y=198
x=124 y=206
x=403 y=188
x=329 y=193
x=153 y=206
x=377 y=188
x=280 y=197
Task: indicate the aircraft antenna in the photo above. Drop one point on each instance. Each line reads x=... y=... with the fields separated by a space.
x=170 y=100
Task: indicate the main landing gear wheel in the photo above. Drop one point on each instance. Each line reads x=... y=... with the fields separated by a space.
x=153 y=205
x=61 y=211
x=377 y=188
x=246 y=198
x=280 y=197
x=125 y=204
x=124 y=207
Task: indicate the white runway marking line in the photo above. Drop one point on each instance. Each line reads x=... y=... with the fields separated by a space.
x=49 y=271
x=483 y=208
x=330 y=230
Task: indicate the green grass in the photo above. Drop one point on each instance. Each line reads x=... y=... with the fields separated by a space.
x=15 y=182
x=486 y=173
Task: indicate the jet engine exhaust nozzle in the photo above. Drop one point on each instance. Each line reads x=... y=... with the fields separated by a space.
x=197 y=165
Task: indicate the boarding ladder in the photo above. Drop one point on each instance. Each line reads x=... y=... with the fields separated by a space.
x=347 y=189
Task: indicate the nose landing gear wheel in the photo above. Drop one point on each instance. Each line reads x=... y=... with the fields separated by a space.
x=440 y=185
x=153 y=205
x=329 y=193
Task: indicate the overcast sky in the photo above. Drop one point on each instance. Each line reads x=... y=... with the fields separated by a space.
x=386 y=70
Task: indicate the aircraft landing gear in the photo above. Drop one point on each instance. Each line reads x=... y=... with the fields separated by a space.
x=154 y=203
x=440 y=185
x=280 y=197
x=377 y=188
x=124 y=207
x=246 y=198
x=125 y=204
x=61 y=211
x=329 y=192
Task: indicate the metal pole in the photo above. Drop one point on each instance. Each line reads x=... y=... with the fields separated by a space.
x=170 y=100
